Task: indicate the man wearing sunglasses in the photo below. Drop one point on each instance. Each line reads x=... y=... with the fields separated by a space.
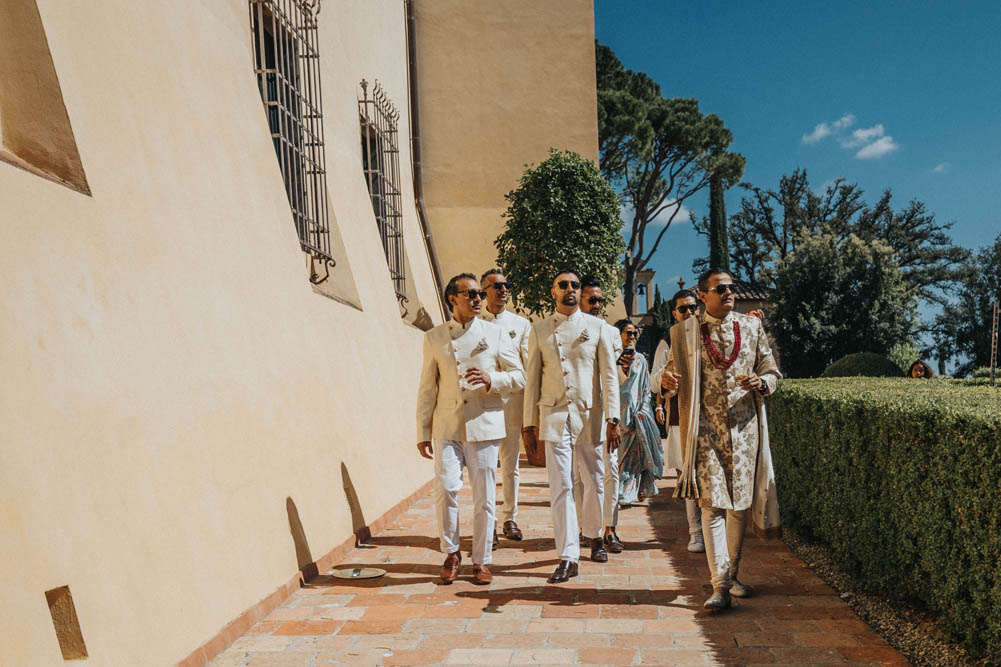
x=468 y=365
x=565 y=352
x=721 y=367
x=516 y=328
x=683 y=306
x=592 y=300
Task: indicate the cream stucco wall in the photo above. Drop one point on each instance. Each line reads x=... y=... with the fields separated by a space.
x=500 y=83
x=170 y=376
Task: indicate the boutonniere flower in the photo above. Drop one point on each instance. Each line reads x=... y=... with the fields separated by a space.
x=585 y=335
x=512 y=333
x=481 y=346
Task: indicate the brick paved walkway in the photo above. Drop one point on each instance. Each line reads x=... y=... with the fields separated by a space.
x=642 y=607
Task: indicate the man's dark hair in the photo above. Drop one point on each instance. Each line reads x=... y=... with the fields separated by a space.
x=679 y=295
x=562 y=271
x=622 y=324
x=491 y=272
x=589 y=281
x=709 y=273
x=452 y=288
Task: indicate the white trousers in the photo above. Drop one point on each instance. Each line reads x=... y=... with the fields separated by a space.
x=694 y=514
x=510 y=449
x=480 y=459
x=610 y=486
x=562 y=459
x=724 y=535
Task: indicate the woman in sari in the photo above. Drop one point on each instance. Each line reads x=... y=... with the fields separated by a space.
x=641 y=461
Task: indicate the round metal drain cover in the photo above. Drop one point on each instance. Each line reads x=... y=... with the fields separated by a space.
x=358 y=573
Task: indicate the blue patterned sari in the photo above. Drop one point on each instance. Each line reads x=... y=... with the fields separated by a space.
x=641 y=460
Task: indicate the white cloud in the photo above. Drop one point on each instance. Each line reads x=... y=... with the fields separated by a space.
x=942 y=168
x=684 y=215
x=879 y=148
x=864 y=136
x=825 y=129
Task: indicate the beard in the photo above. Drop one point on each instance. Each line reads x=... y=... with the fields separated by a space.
x=569 y=299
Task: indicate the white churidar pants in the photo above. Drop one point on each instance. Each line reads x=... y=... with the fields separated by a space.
x=510 y=449
x=610 y=494
x=694 y=513
x=724 y=535
x=480 y=459
x=562 y=459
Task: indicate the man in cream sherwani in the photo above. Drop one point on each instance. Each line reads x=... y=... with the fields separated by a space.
x=516 y=327
x=565 y=352
x=468 y=365
x=721 y=366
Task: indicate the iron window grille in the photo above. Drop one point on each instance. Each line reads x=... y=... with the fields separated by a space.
x=287 y=65
x=381 y=163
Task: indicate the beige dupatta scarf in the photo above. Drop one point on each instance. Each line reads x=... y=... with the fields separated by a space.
x=686 y=344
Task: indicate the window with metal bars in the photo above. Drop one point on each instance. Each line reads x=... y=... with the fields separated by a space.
x=287 y=65
x=380 y=154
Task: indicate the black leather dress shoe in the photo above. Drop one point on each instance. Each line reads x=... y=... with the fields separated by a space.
x=598 y=553
x=563 y=572
x=613 y=543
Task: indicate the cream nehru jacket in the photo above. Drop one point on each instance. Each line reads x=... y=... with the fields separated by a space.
x=445 y=411
x=516 y=328
x=564 y=356
x=594 y=429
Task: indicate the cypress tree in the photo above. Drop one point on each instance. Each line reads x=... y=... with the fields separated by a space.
x=719 y=248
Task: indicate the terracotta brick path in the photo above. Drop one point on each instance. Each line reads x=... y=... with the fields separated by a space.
x=642 y=607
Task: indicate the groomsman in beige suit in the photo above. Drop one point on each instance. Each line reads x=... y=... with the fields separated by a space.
x=517 y=328
x=565 y=352
x=591 y=302
x=468 y=366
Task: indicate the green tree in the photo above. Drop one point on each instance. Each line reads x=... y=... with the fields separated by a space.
x=658 y=152
x=770 y=223
x=719 y=249
x=564 y=214
x=835 y=297
x=966 y=324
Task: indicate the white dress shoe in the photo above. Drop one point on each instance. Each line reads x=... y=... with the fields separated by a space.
x=739 y=590
x=696 y=545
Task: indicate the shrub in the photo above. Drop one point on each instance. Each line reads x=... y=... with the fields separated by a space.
x=903 y=355
x=902 y=480
x=868 y=364
x=984 y=372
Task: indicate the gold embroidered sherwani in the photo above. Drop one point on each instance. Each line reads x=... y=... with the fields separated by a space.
x=730 y=420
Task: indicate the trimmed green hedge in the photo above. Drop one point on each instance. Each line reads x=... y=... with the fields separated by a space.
x=868 y=364
x=901 y=479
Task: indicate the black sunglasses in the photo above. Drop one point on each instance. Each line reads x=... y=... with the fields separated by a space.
x=499 y=286
x=593 y=300
x=473 y=294
x=694 y=308
x=630 y=334
x=574 y=284
x=723 y=288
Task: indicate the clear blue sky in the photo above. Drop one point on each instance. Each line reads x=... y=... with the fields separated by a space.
x=920 y=80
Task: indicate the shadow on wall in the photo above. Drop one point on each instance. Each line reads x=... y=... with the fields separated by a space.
x=303 y=555
x=363 y=534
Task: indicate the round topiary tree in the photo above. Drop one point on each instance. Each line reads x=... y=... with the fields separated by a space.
x=865 y=364
x=563 y=215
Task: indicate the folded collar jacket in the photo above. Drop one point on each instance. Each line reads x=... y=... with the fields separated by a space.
x=446 y=411
x=564 y=356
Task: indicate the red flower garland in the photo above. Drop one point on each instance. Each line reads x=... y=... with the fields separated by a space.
x=714 y=354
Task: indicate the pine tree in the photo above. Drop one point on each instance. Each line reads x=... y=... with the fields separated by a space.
x=719 y=249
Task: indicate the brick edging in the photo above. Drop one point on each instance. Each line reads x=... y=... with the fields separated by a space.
x=238 y=626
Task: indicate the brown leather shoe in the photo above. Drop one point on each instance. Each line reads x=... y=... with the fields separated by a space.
x=481 y=575
x=512 y=531
x=450 y=569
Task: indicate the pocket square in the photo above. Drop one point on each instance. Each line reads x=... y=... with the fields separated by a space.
x=481 y=346
x=585 y=335
x=512 y=333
